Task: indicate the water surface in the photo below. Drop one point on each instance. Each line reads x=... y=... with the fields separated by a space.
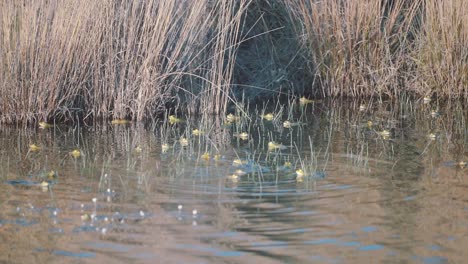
x=393 y=199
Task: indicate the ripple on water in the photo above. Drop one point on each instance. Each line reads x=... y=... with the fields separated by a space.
x=367 y=198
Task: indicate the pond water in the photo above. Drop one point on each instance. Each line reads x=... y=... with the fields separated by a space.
x=330 y=187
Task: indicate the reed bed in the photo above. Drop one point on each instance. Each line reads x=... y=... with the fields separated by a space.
x=357 y=47
x=385 y=48
x=121 y=59
x=87 y=60
x=440 y=53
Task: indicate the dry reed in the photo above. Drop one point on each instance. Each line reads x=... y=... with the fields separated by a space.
x=440 y=52
x=102 y=59
x=356 y=46
x=74 y=60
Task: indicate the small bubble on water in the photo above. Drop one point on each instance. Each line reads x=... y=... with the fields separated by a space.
x=179 y=207
x=18 y=209
x=194 y=223
x=142 y=214
x=104 y=231
x=194 y=212
x=94 y=200
x=109 y=191
x=55 y=212
x=82 y=206
x=106 y=219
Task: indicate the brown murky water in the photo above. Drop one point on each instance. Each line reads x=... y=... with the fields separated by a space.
x=364 y=196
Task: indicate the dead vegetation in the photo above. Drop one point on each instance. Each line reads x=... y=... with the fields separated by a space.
x=87 y=60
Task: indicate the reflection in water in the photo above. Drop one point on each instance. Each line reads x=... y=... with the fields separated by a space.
x=219 y=197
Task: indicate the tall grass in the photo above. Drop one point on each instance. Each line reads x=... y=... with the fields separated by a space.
x=71 y=59
x=102 y=59
x=385 y=48
x=357 y=47
x=440 y=54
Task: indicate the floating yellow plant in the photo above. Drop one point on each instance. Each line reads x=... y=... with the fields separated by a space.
x=44 y=184
x=234 y=177
x=435 y=113
x=34 y=147
x=217 y=157
x=138 y=149
x=44 y=125
x=197 y=132
x=385 y=133
x=432 y=136
x=304 y=101
x=240 y=172
x=287 y=164
x=239 y=162
x=300 y=175
x=52 y=175
x=370 y=124
x=120 y=122
x=462 y=164
x=174 y=120
x=289 y=124
x=268 y=116
x=243 y=136
x=165 y=147
x=183 y=142
x=427 y=99
x=205 y=156
x=75 y=153
x=85 y=217
x=230 y=118
x=275 y=146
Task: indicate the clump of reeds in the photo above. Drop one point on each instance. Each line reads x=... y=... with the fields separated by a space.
x=357 y=47
x=440 y=53
x=102 y=59
x=129 y=59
